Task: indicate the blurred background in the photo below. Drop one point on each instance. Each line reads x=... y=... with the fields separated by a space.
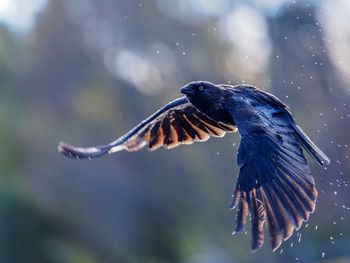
x=86 y=71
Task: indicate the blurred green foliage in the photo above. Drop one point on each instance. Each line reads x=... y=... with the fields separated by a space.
x=89 y=70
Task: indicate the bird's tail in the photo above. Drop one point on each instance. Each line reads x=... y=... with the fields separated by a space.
x=310 y=147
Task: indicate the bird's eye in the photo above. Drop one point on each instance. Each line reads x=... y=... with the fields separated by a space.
x=201 y=88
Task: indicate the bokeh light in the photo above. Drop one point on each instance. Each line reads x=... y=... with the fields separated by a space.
x=86 y=71
x=20 y=14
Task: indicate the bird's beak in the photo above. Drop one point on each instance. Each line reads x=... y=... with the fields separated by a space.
x=187 y=90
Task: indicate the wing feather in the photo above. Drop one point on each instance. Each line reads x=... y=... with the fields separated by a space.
x=178 y=122
x=273 y=167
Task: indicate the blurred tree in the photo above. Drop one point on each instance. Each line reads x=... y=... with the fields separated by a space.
x=80 y=76
x=23 y=230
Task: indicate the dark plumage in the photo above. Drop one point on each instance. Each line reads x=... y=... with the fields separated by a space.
x=274 y=183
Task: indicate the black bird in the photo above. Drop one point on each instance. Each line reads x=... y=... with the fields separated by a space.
x=274 y=184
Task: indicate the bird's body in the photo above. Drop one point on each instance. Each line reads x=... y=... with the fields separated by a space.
x=274 y=184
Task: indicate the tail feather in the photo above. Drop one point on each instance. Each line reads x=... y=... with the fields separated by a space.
x=310 y=147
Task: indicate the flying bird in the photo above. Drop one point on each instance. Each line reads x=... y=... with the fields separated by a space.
x=274 y=185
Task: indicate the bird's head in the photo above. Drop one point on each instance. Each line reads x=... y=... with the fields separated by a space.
x=208 y=98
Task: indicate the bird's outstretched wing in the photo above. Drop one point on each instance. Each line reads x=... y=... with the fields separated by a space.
x=178 y=122
x=274 y=183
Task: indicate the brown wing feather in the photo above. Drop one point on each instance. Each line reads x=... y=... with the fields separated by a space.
x=182 y=125
x=178 y=122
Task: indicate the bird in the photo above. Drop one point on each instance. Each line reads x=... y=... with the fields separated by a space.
x=274 y=185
